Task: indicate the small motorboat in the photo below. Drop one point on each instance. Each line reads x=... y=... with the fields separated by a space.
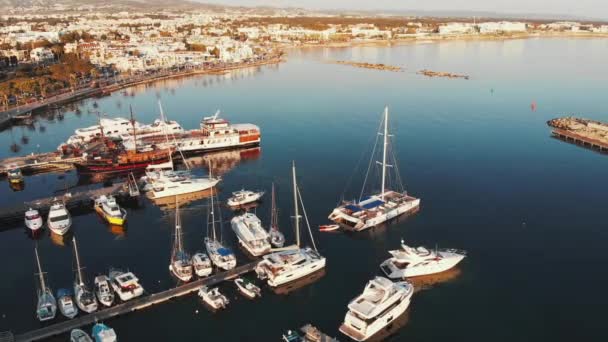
x=243 y=196
x=247 y=288
x=125 y=284
x=59 y=220
x=33 y=220
x=103 y=333
x=66 y=303
x=213 y=297
x=78 y=335
x=329 y=227
x=14 y=175
x=202 y=265
x=103 y=290
x=107 y=208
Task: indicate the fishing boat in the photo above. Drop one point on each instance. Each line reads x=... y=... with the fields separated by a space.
x=202 y=265
x=103 y=333
x=293 y=262
x=47 y=305
x=14 y=175
x=103 y=290
x=117 y=161
x=181 y=264
x=213 y=297
x=85 y=298
x=221 y=256
x=377 y=208
x=247 y=288
x=110 y=211
x=412 y=262
x=277 y=238
x=66 y=303
x=125 y=284
x=59 y=220
x=33 y=220
x=77 y=335
x=329 y=227
x=243 y=197
x=250 y=233
x=380 y=303
x=214 y=134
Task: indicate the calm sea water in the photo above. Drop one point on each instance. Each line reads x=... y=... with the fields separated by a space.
x=529 y=209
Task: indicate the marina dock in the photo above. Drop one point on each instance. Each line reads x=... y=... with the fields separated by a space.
x=39 y=163
x=132 y=305
x=587 y=133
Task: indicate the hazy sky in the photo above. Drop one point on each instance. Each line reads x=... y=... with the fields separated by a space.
x=589 y=8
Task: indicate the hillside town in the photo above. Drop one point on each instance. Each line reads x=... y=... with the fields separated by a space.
x=60 y=51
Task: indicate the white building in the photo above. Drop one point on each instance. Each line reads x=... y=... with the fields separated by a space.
x=502 y=26
x=41 y=54
x=456 y=28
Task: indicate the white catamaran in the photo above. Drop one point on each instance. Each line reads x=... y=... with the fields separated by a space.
x=220 y=255
x=377 y=208
x=181 y=264
x=293 y=262
x=47 y=305
x=85 y=298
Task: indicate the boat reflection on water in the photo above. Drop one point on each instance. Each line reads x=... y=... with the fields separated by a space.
x=119 y=231
x=168 y=203
x=221 y=162
x=34 y=234
x=61 y=240
x=300 y=283
x=429 y=281
x=17 y=186
x=391 y=329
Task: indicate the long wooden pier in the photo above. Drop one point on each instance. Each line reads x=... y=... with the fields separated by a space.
x=132 y=305
x=580 y=140
x=39 y=163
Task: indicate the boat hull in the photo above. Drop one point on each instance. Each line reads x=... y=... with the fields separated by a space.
x=114 y=168
x=353 y=223
x=392 y=270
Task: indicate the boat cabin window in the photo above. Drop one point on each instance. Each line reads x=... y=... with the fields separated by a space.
x=58 y=218
x=32 y=217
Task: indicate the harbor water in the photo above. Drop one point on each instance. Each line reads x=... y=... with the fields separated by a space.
x=528 y=208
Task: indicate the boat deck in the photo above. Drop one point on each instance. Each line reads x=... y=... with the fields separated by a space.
x=132 y=305
x=352 y=333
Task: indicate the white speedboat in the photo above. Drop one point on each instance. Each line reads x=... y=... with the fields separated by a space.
x=412 y=262
x=202 y=265
x=243 y=197
x=78 y=335
x=375 y=209
x=381 y=302
x=277 y=238
x=110 y=211
x=85 y=298
x=33 y=220
x=103 y=290
x=293 y=262
x=103 y=333
x=59 y=220
x=221 y=256
x=252 y=236
x=181 y=264
x=67 y=307
x=247 y=288
x=47 y=305
x=125 y=284
x=169 y=184
x=213 y=297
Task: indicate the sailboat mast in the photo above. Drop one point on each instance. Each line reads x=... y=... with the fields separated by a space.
x=295 y=202
x=178 y=226
x=384 y=152
x=77 y=261
x=212 y=216
x=40 y=274
x=133 y=125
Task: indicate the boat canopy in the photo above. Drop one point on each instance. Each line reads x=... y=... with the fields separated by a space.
x=373 y=204
x=224 y=251
x=353 y=208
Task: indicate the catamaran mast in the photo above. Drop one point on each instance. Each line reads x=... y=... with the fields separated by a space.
x=77 y=261
x=295 y=202
x=384 y=152
x=40 y=274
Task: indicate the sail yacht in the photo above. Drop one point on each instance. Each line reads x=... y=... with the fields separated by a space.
x=181 y=265
x=277 y=238
x=376 y=208
x=292 y=262
x=47 y=305
x=85 y=298
x=220 y=255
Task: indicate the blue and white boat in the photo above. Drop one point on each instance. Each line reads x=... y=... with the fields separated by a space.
x=66 y=303
x=103 y=333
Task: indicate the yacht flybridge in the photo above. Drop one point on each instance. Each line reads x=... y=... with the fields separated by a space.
x=411 y=262
x=376 y=208
x=252 y=236
x=381 y=302
x=292 y=262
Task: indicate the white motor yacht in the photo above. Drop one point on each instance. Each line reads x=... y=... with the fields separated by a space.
x=125 y=284
x=202 y=265
x=412 y=262
x=252 y=236
x=243 y=197
x=381 y=302
x=213 y=297
x=33 y=220
x=59 y=220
